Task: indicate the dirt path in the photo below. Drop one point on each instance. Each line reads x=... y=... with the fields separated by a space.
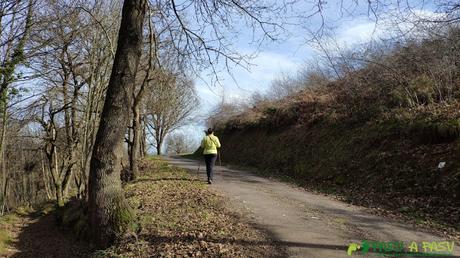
x=308 y=224
x=41 y=237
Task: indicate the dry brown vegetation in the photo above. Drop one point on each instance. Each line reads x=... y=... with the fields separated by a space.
x=180 y=216
x=375 y=135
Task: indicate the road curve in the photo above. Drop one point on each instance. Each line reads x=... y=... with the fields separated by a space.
x=307 y=224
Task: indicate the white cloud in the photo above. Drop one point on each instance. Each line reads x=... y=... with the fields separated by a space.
x=392 y=24
x=357 y=33
x=265 y=67
x=284 y=58
x=429 y=15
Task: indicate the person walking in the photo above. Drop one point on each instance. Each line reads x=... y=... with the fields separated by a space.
x=210 y=144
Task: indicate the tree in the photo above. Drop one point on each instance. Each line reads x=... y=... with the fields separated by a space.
x=72 y=64
x=178 y=143
x=98 y=45
x=226 y=110
x=15 y=26
x=59 y=69
x=60 y=175
x=170 y=103
x=135 y=144
x=284 y=86
x=109 y=213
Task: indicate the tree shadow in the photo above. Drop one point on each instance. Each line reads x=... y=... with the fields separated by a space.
x=155 y=240
x=280 y=245
x=42 y=237
x=166 y=179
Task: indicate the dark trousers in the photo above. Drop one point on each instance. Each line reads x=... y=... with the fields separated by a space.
x=210 y=159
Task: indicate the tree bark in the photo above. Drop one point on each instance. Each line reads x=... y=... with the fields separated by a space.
x=109 y=213
x=137 y=101
x=57 y=180
x=45 y=180
x=59 y=196
x=3 y=104
x=143 y=140
x=159 y=143
x=133 y=158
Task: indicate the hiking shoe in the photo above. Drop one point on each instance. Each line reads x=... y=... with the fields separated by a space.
x=209 y=182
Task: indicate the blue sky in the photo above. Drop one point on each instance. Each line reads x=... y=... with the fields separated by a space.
x=286 y=55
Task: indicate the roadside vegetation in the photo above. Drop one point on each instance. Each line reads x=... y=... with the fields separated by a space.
x=383 y=133
x=180 y=216
x=177 y=214
x=6 y=224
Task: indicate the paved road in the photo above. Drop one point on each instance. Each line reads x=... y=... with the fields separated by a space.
x=308 y=224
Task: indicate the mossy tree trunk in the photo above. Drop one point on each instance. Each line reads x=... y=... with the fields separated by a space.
x=109 y=214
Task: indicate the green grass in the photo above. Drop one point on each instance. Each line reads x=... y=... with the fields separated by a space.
x=5 y=240
x=6 y=223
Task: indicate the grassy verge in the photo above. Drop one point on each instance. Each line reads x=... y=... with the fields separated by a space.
x=6 y=224
x=180 y=216
x=198 y=154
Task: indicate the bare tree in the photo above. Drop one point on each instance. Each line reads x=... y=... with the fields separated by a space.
x=283 y=86
x=60 y=175
x=179 y=143
x=169 y=105
x=72 y=67
x=98 y=45
x=15 y=26
x=138 y=132
x=226 y=110
x=109 y=213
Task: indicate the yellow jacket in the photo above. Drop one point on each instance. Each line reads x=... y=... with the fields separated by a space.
x=210 y=143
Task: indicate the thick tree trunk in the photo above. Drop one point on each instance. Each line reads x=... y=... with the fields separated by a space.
x=109 y=213
x=46 y=181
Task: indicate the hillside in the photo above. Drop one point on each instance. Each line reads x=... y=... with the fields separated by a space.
x=384 y=135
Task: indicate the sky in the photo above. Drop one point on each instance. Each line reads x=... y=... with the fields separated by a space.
x=286 y=55
x=273 y=60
